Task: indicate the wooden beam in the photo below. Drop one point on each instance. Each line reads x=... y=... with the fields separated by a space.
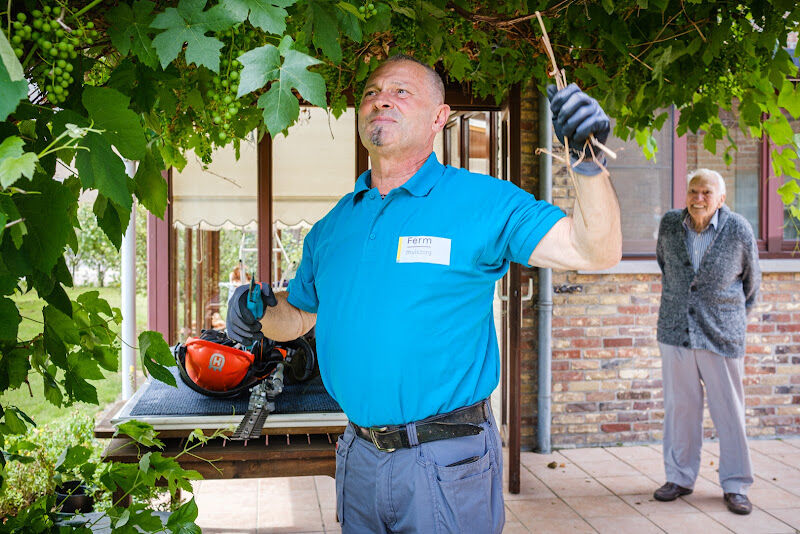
x=158 y=270
x=188 y=267
x=264 y=238
x=514 y=307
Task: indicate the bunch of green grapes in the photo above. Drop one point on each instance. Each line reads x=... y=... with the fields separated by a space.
x=47 y=45
x=223 y=104
x=368 y=10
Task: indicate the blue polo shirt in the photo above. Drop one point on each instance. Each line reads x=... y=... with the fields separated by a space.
x=403 y=289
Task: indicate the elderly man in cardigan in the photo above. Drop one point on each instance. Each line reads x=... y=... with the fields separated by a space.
x=711 y=278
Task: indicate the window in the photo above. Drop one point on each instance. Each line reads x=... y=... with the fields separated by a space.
x=741 y=177
x=791 y=227
x=644 y=189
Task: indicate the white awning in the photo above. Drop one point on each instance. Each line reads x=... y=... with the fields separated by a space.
x=313 y=167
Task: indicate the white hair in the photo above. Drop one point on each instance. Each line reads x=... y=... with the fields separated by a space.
x=707 y=173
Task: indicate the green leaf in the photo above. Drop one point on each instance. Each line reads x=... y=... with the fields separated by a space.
x=608 y=5
x=181 y=521
x=267 y=15
x=62 y=325
x=9 y=319
x=111 y=218
x=13 y=420
x=260 y=66
x=17 y=364
x=128 y=30
x=13 y=85
x=85 y=366
x=100 y=168
x=151 y=188
x=789 y=98
x=140 y=432
x=188 y=24
x=324 y=29
x=51 y=391
x=79 y=389
x=72 y=457
x=156 y=356
x=14 y=162
x=279 y=103
x=788 y=191
x=779 y=130
x=109 y=111
x=47 y=221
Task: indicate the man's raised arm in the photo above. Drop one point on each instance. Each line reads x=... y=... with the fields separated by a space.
x=592 y=238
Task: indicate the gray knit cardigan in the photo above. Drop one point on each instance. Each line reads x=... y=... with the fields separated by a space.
x=707 y=309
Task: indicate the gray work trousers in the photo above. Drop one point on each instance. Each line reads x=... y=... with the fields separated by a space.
x=414 y=491
x=682 y=371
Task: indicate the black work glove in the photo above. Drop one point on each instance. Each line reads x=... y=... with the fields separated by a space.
x=242 y=326
x=576 y=115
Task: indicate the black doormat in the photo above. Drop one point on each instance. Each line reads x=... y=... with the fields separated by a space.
x=160 y=399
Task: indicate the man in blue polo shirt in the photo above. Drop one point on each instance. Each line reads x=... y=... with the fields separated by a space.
x=399 y=279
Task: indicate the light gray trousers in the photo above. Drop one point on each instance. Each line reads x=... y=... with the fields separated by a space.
x=682 y=371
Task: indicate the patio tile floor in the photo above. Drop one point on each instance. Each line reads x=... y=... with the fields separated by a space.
x=597 y=490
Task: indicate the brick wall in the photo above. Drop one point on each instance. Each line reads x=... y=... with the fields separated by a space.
x=606 y=364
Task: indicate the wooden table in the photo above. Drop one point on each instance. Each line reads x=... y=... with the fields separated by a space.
x=310 y=452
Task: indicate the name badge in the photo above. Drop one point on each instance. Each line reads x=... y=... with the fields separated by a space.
x=423 y=249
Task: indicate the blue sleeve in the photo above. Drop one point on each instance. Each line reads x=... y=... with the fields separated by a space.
x=522 y=222
x=302 y=288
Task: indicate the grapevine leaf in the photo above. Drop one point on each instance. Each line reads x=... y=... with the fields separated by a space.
x=47 y=221
x=280 y=109
x=14 y=162
x=188 y=24
x=268 y=15
x=156 y=356
x=72 y=457
x=13 y=421
x=788 y=191
x=279 y=103
x=111 y=218
x=779 y=129
x=789 y=98
x=151 y=188
x=78 y=388
x=86 y=367
x=9 y=319
x=51 y=390
x=13 y=85
x=324 y=30
x=140 y=432
x=348 y=18
x=129 y=30
x=61 y=324
x=17 y=364
x=260 y=65
x=100 y=168
x=181 y=521
x=294 y=73
x=108 y=108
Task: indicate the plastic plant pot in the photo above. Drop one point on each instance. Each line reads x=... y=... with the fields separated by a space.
x=72 y=497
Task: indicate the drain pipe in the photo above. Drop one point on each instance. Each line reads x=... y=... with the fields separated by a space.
x=545 y=303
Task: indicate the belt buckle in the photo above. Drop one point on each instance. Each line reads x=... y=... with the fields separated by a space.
x=372 y=431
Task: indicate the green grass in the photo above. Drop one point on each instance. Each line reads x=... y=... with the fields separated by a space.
x=108 y=389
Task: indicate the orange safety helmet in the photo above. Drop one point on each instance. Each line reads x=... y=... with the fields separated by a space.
x=213 y=366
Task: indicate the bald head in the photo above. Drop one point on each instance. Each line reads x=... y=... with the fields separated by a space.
x=435 y=83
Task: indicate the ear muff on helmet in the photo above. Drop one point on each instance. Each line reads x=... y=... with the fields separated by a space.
x=213 y=369
x=300 y=358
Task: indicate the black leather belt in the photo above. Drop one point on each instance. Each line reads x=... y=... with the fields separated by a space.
x=461 y=422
